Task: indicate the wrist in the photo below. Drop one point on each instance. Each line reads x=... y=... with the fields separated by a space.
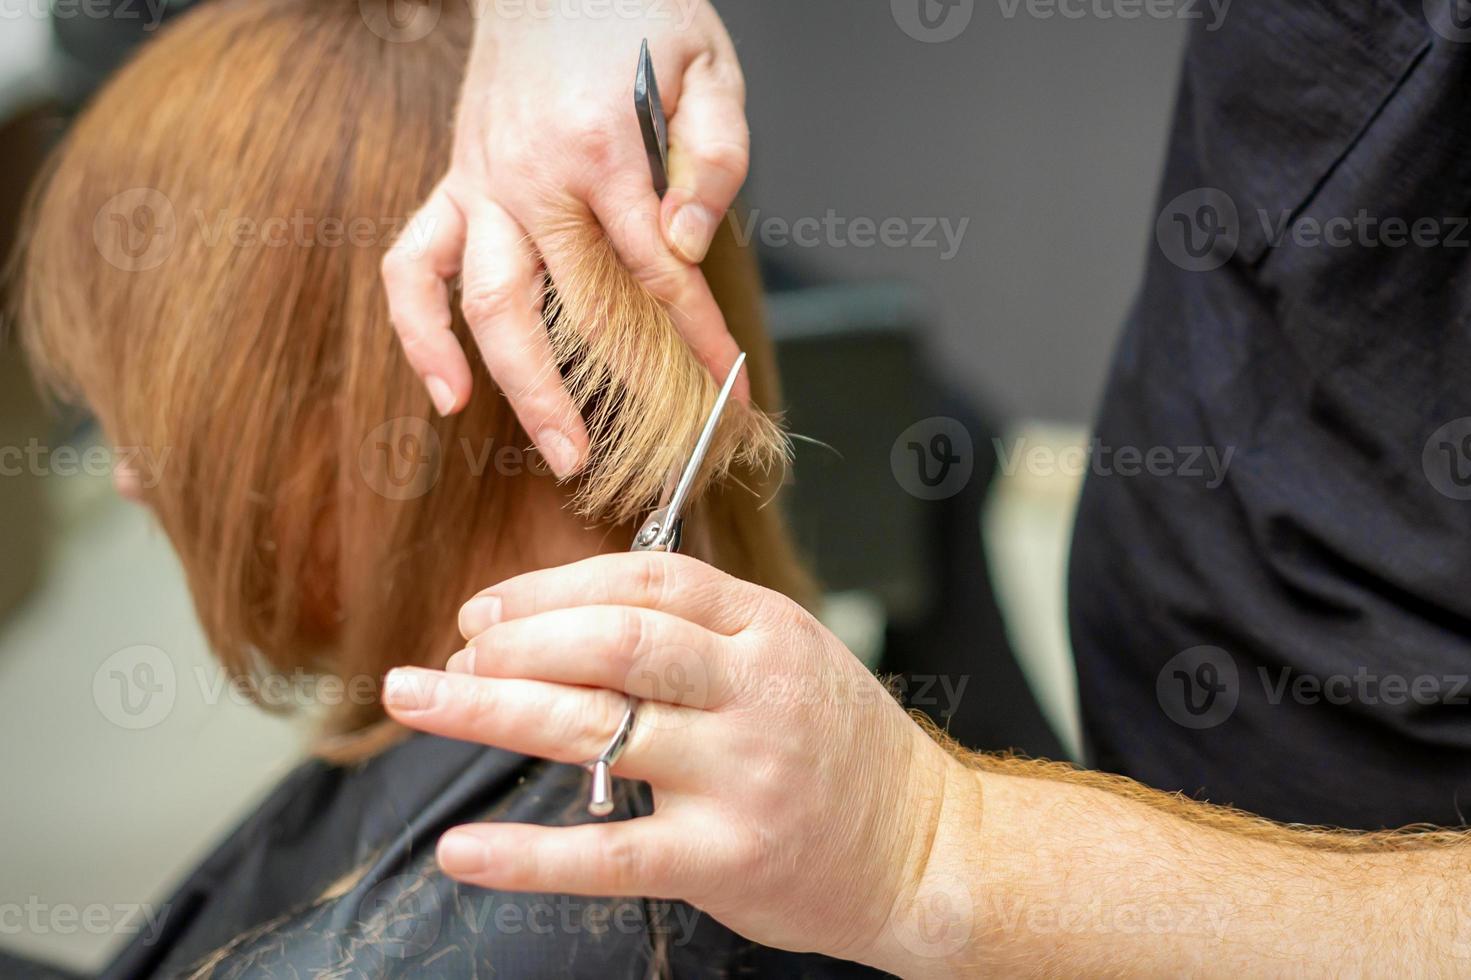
x=998 y=853
x=935 y=919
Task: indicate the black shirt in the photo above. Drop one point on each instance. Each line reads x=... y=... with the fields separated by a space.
x=1290 y=631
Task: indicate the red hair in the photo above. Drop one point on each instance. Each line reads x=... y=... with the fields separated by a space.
x=202 y=271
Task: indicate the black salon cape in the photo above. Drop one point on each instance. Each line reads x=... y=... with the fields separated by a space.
x=256 y=905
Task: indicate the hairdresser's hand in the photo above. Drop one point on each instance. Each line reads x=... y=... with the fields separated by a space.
x=546 y=122
x=796 y=801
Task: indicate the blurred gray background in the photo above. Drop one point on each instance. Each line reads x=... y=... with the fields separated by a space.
x=1048 y=134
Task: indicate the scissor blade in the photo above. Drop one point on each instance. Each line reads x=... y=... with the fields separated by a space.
x=707 y=436
x=651 y=120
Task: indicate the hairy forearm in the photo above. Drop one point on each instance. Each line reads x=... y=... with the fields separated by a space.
x=1039 y=870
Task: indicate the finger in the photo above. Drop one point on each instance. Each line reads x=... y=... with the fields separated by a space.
x=709 y=155
x=628 y=210
x=649 y=654
x=549 y=721
x=675 y=584
x=653 y=856
x=415 y=273
x=502 y=304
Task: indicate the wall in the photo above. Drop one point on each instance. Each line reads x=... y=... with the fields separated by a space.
x=1047 y=133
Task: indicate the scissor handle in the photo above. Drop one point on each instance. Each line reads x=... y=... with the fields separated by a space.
x=600 y=799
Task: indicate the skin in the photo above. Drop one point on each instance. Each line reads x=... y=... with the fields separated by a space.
x=796 y=801
x=546 y=121
x=798 y=804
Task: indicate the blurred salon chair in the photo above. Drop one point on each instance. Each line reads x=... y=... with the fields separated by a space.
x=855 y=378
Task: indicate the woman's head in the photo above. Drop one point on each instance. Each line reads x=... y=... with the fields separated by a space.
x=202 y=272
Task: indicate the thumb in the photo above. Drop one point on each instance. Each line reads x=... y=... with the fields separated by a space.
x=709 y=154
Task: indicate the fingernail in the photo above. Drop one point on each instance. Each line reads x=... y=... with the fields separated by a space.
x=692 y=229
x=462 y=662
x=479 y=615
x=439 y=393
x=558 y=451
x=462 y=853
x=409 y=691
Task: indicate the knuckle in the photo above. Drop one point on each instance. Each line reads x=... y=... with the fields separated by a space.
x=634 y=231
x=486 y=301
x=652 y=584
x=591 y=133
x=477 y=708
x=401 y=272
x=626 y=862
x=663 y=275
x=630 y=633
x=523 y=867
x=768 y=782
x=415 y=343
x=746 y=856
x=771 y=611
x=587 y=722
x=516 y=156
x=728 y=74
x=738 y=685
x=540 y=594
x=725 y=157
x=394 y=267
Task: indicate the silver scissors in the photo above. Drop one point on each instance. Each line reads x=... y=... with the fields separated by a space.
x=661 y=531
